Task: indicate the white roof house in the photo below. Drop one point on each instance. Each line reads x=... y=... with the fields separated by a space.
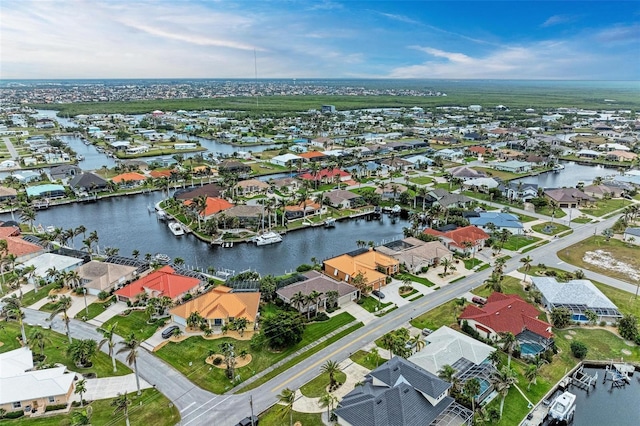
x=19 y=385
x=446 y=346
x=46 y=261
x=578 y=296
x=281 y=160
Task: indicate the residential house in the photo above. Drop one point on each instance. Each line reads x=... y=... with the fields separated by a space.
x=588 y=153
x=512 y=166
x=64 y=171
x=397 y=164
x=416 y=254
x=212 y=190
x=23 y=250
x=501 y=221
x=327 y=176
x=312 y=156
x=88 y=182
x=622 y=156
x=315 y=281
x=213 y=207
x=285 y=160
x=7 y=193
x=483 y=184
x=103 y=276
x=578 y=296
x=303 y=209
x=465 y=173
x=341 y=198
x=468 y=239
x=509 y=313
x=468 y=356
x=479 y=151
x=251 y=187
x=448 y=200
x=603 y=191
x=449 y=154
x=231 y=166
x=287 y=184
x=160 y=283
x=568 y=197
x=248 y=215
x=220 y=306
x=519 y=191
x=374 y=266
x=45 y=263
x=23 y=388
x=631 y=235
x=46 y=191
x=129 y=179
x=390 y=191
x=400 y=393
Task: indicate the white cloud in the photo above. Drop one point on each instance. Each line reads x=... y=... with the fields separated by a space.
x=399 y=18
x=558 y=20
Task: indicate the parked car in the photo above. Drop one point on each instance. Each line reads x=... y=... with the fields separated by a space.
x=168 y=332
x=426 y=331
x=248 y=421
x=479 y=300
x=378 y=294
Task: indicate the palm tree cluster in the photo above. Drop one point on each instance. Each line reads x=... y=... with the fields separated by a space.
x=305 y=302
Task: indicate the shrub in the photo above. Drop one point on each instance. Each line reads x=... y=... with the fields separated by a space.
x=14 y=414
x=54 y=407
x=579 y=349
x=304 y=268
x=79 y=290
x=321 y=316
x=103 y=295
x=186 y=297
x=602 y=323
x=217 y=361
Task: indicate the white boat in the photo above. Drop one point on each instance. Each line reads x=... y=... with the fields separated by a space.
x=558 y=167
x=162 y=258
x=176 y=228
x=330 y=222
x=563 y=407
x=268 y=238
x=396 y=209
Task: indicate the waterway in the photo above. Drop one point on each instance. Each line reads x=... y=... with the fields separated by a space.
x=606 y=406
x=126 y=223
x=570 y=176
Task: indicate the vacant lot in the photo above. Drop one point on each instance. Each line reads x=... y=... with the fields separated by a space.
x=599 y=253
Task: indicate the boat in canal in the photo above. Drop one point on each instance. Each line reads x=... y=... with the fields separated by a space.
x=330 y=222
x=176 y=228
x=162 y=258
x=268 y=238
x=563 y=407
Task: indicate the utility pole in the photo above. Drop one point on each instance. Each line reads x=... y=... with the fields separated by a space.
x=251 y=404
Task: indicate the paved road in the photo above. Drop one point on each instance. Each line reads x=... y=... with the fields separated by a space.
x=199 y=407
x=12 y=150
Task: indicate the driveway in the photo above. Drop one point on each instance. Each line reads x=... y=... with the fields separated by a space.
x=110 y=387
x=110 y=312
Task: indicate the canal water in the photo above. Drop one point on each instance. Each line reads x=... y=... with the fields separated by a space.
x=570 y=176
x=125 y=222
x=606 y=406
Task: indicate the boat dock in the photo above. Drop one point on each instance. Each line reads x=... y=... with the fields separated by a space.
x=619 y=374
x=582 y=380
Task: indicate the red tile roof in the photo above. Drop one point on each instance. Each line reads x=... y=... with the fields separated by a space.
x=15 y=244
x=508 y=313
x=164 y=281
x=325 y=174
x=160 y=173
x=469 y=233
x=128 y=177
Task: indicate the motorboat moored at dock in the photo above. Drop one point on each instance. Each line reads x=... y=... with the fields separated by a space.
x=268 y=238
x=176 y=228
x=563 y=407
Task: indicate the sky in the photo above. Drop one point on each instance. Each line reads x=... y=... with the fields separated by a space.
x=566 y=40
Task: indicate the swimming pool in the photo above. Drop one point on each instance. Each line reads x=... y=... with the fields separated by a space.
x=530 y=348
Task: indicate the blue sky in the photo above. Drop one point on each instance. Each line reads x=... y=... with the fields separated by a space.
x=567 y=40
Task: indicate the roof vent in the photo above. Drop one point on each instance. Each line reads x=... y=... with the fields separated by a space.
x=379 y=401
x=509 y=306
x=396 y=368
x=406 y=390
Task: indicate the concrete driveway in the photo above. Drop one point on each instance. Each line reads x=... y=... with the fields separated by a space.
x=110 y=387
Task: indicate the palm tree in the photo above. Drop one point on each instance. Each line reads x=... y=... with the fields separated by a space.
x=13 y=310
x=472 y=389
x=122 y=402
x=108 y=334
x=446 y=373
x=502 y=380
x=509 y=344
x=62 y=306
x=388 y=340
x=81 y=352
x=287 y=398
x=81 y=388
x=312 y=299
x=526 y=265
x=130 y=346
x=194 y=319
x=327 y=400
x=417 y=343
x=331 y=368
x=38 y=339
x=297 y=300
x=83 y=417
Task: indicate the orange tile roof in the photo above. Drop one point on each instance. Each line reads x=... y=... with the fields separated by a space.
x=164 y=281
x=214 y=205
x=128 y=177
x=9 y=231
x=351 y=266
x=310 y=205
x=311 y=154
x=160 y=173
x=220 y=303
x=469 y=233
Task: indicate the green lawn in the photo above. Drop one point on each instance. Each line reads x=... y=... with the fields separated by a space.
x=516 y=242
x=372 y=304
x=195 y=350
x=32 y=297
x=605 y=206
x=55 y=350
x=619 y=250
x=525 y=218
x=471 y=263
x=275 y=416
x=151 y=408
x=535 y=246
x=366 y=359
x=95 y=309
x=548 y=211
x=421 y=180
x=408 y=295
x=510 y=285
x=553 y=228
x=415 y=279
x=581 y=219
x=318 y=386
x=135 y=322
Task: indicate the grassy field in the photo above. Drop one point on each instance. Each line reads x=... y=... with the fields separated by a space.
x=318 y=386
x=32 y=296
x=188 y=356
x=151 y=408
x=505 y=176
x=619 y=250
x=524 y=218
x=554 y=228
x=471 y=263
x=604 y=207
x=55 y=350
x=548 y=211
x=421 y=180
x=372 y=304
x=275 y=416
x=581 y=219
x=94 y=309
x=365 y=359
x=135 y=322
x=415 y=279
x=516 y=242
